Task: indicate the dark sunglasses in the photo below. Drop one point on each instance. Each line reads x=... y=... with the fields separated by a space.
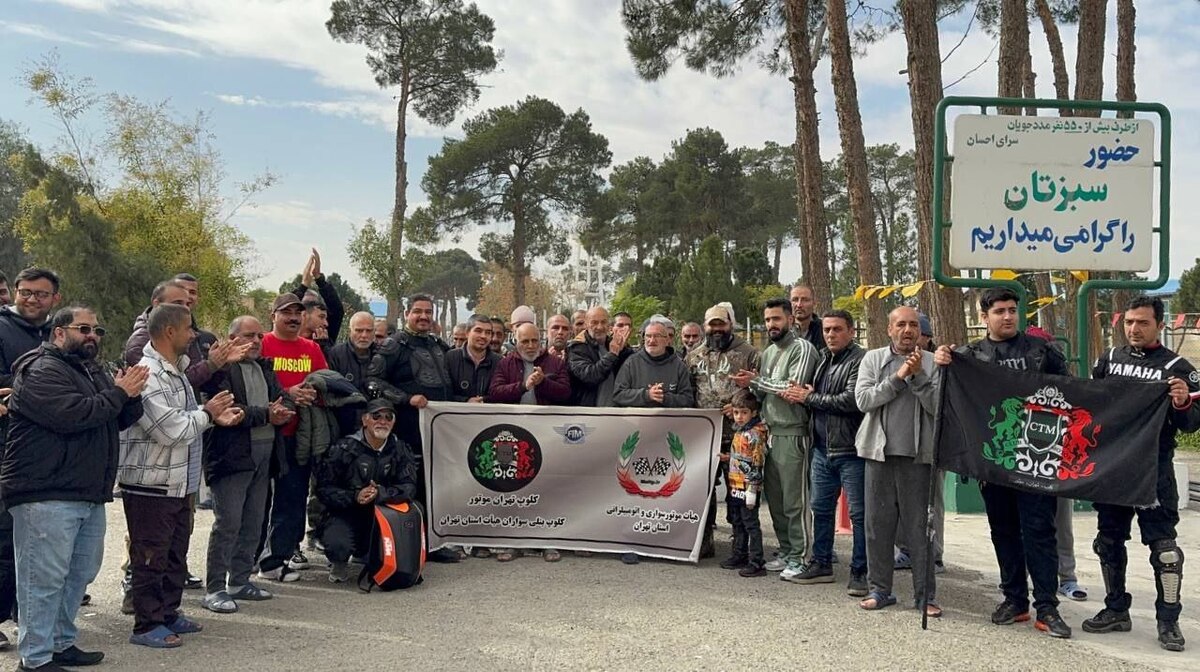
x=382 y=415
x=87 y=329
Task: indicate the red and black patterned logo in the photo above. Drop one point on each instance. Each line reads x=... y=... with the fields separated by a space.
x=504 y=458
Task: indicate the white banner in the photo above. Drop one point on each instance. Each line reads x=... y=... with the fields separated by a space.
x=611 y=480
x=1052 y=193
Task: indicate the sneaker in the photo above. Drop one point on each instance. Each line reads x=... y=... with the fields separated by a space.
x=902 y=561
x=339 y=572
x=282 y=574
x=775 y=565
x=857 y=586
x=630 y=558
x=443 y=555
x=734 y=562
x=1053 y=624
x=1108 y=620
x=792 y=571
x=73 y=656
x=193 y=582
x=939 y=567
x=299 y=561
x=1169 y=636
x=1007 y=613
x=815 y=573
x=752 y=571
x=48 y=667
x=4 y=643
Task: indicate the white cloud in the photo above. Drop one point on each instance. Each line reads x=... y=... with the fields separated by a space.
x=126 y=43
x=40 y=32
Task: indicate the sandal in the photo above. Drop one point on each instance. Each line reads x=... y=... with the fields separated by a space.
x=182 y=625
x=551 y=555
x=158 y=638
x=877 y=601
x=1073 y=590
x=251 y=592
x=220 y=603
x=505 y=556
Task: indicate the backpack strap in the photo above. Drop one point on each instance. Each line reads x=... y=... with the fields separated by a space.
x=364 y=577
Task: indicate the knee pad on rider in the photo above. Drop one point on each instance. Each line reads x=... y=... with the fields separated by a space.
x=1167 y=560
x=1110 y=551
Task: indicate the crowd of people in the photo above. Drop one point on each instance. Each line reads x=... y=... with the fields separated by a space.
x=296 y=434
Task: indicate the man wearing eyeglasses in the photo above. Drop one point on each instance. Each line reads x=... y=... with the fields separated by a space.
x=57 y=474
x=366 y=468
x=24 y=326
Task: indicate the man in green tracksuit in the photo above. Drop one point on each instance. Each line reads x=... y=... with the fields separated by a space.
x=787 y=360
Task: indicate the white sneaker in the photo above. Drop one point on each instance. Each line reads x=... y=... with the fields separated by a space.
x=792 y=571
x=281 y=574
x=776 y=565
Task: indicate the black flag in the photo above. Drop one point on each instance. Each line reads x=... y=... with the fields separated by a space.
x=1087 y=439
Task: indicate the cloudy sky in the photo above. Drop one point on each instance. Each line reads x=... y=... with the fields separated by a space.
x=283 y=96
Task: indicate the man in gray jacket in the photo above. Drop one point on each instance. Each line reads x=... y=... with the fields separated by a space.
x=788 y=360
x=895 y=390
x=654 y=377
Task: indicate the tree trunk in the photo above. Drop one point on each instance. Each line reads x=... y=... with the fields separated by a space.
x=399 y=206
x=854 y=158
x=807 y=149
x=1126 y=91
x=925 y=90
x=778 y=255
x=1089 y=85
x=1062 y=83
x=1014 y=51
x=519 y=266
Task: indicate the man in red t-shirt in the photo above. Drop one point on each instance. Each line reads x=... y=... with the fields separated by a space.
x=294 y=358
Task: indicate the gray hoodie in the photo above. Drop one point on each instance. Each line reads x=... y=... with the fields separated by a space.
x=641 y=371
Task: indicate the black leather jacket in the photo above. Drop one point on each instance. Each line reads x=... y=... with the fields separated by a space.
x=837 y=408
x=405 y=365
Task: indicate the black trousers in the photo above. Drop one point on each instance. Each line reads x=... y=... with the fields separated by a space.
x=347 y=533
x=1023 y=535
x=8 y=569
x=747 y=531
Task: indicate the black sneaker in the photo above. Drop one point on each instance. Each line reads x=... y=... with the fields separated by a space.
x=48 y=667
x=1108 y=620
x=1169 y=636
x=298 y=561
x=1007 y=613
x=857 y=586
x=734 y=562
x=193 y=582
x=1053 y=624
x=443 y=555
x=752 y=571
x=73 y=656
x=815 y=573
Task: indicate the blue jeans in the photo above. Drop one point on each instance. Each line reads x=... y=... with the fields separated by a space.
x=58 y=548
x=828 y=477
x=289 y=507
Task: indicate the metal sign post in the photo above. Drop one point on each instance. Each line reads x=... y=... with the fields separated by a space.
x=1053 y=193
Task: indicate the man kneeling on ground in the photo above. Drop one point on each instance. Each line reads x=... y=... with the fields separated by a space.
x=366 y=468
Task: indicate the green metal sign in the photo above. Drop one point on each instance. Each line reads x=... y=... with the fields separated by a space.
x=1127 y=240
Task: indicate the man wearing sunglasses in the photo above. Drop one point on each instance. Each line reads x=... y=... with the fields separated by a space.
x=57 y=474
x=366 y=468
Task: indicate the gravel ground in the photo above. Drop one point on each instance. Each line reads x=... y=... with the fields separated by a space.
x=595 y=613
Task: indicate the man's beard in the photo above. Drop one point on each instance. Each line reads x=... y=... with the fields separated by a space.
x=528 y=357
x=776 y=335
x=381 y=433
x=718 y=340
x=84 y=350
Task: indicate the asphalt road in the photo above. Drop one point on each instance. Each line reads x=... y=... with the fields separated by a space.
x=595 y=613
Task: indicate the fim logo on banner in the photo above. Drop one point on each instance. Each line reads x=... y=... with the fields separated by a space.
x=1042 y=436
x=504 y=458
x=662 y=477
x=574 y=434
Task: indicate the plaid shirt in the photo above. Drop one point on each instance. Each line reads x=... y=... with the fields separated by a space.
x=160 y=455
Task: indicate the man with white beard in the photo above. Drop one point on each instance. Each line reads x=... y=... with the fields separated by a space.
x=366 y=468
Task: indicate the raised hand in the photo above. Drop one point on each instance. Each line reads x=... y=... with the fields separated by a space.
x=942 y=356
x=302 y=395
x=229 y=417
x=278 y=413
x=220 y=403
x=132 y=380
x=911 y=365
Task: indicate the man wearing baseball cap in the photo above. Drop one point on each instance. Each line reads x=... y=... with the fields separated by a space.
x=369 y=467
x=710 y=363
x=293 y=357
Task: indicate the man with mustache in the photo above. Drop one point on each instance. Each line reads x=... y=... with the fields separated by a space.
x=711 y=363
x=410 y=371
x=805 y=324
x=787 y=360
x=895 y=390
x=691 y=335
x=593 y=358
x=293 y=358
x=57 y=474
x=558 y=334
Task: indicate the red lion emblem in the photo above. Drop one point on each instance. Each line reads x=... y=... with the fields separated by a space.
x=1075 y=445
